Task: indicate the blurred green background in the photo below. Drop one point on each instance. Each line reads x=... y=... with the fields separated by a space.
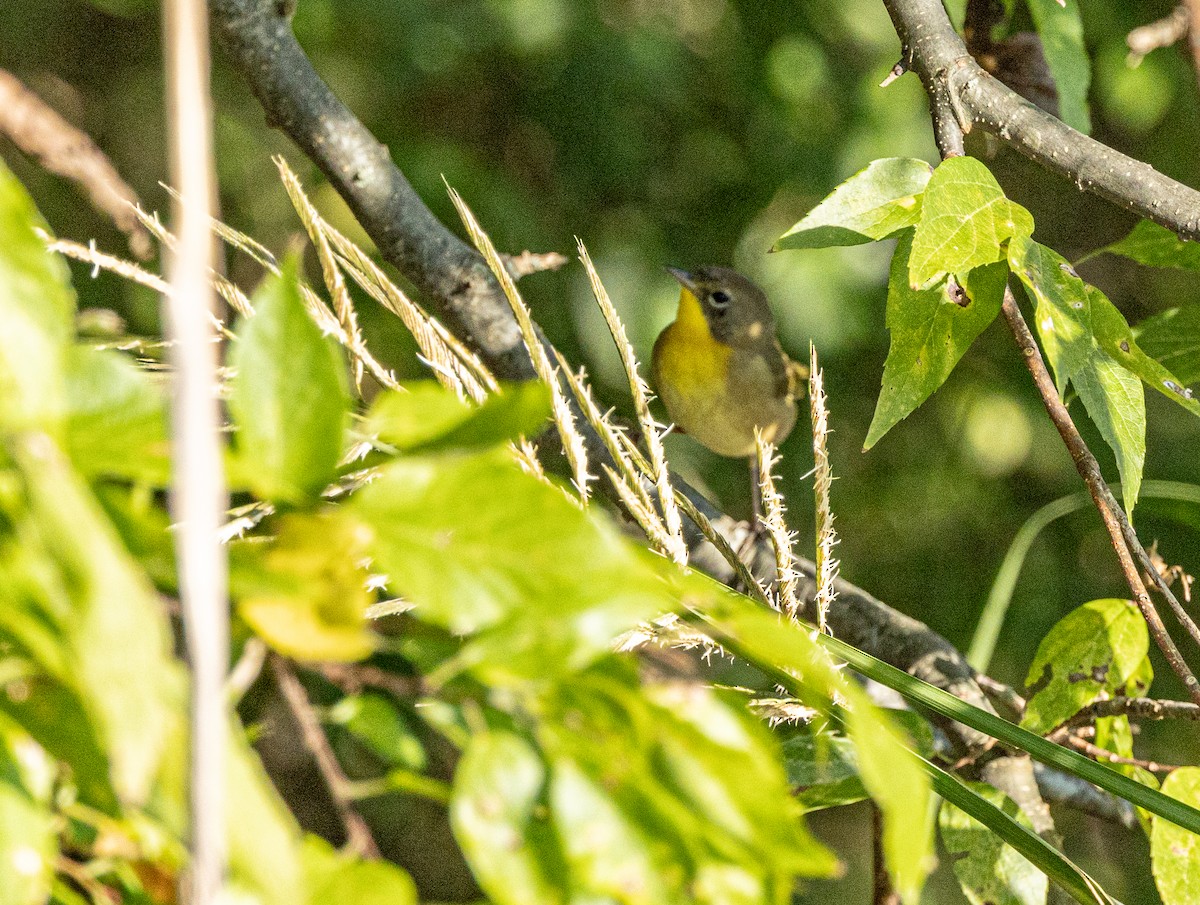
x=688 y=132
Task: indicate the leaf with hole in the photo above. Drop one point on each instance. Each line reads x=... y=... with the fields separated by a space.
x=1092 y=651
x=965 y=222
x=930 y=331
x=990 y=871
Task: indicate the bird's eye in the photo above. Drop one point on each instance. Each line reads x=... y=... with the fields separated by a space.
x=719 y=299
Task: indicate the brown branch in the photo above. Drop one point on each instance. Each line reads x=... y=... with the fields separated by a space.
x=940 y=58
x=358 y=834
x=1193 y=32
x=1136 y=708
x=1102 y=754
x=528 y=262
x=37 y=129
x=1115 y=521
x=352 y=678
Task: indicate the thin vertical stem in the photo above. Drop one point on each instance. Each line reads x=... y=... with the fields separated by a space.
x=198 y=496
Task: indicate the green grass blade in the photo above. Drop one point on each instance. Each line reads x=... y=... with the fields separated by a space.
x=947 y=705
x=987 y=632
x=1040 y=853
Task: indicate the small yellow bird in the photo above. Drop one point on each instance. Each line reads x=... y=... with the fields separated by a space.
x=719 y=368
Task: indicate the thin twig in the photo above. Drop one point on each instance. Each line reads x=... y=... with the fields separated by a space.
x=1115 y=521
x=353 y=677
x=38 y=130
x=358 y=834
x=1164 y=32
x=1136 y=708
x=528 y=262
x=1102 y=754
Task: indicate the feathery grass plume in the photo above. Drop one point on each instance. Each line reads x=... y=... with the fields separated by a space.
x=787 y=579
x=827 y=566
x=235 y=238
x=456 y=366
x=564 y=419
x=782 y=711
x=343 y=307
x=751 y=584
x=676 y=547
x=234 y=297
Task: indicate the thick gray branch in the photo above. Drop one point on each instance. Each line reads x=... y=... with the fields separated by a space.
x=937 y=54
x=258 y=39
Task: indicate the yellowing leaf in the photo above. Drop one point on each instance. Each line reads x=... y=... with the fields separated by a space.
x=305 y=591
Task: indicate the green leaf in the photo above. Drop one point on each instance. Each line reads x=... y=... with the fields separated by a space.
x=890 y=771
x=930 y=332
x=116 y=417
x=1116 y=338
x=1093 y=650
x=37 y=305
x=872 y=204
x=965 y=222
x=1116 y=404
x=305 y=591
x=331 y=877
x=1089 y=344
x=114 y=629
x=1062 y=310
x=429 y=416
x=1048 y=859
x=289 y=397
x=822 y=769
x=1156 y=246
x=1174 y=852
x=500 y=822
x=1172 y=338
x=1059 y=26
x=28 y=831
x=989 y=870
x=478 y=544
x=377 y=723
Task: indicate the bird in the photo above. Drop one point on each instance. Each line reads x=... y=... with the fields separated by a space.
x=719 y=368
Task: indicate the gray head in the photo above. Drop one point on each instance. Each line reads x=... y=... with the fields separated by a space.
x=736 y=310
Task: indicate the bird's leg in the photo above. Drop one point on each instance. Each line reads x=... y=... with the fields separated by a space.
x=756 y=532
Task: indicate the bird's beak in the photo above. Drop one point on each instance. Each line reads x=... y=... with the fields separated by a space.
x=687 y=280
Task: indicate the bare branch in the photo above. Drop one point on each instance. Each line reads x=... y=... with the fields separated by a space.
x=1164 y=32
x=358 y=834
x=1136 y=708
x=940 y=58
x=38 y=130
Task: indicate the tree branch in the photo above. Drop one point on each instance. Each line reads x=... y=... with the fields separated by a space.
x=940 y=58
x=358 y=834
x=259 y=42
x=1136 y=708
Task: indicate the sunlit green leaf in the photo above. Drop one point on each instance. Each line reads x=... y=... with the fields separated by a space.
x=116 y=417
x=428 y=416
x=36 y=309
x=113 y=627
x=332 y=877
x=930 y=330
x=1062 y=311
x=1061 y=30
x=1117 y=339
x=1116 y=404
x=28 y=832
x=872 y=204
x=1172 y=338
x=289 y=397
x=501 y=824
x=1093 y=650
x=965 y=222
x=990 y=871
x=478 y=544
x=1156 y=246
x=1174 y=852
x=304 y=592
x=890 y=771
